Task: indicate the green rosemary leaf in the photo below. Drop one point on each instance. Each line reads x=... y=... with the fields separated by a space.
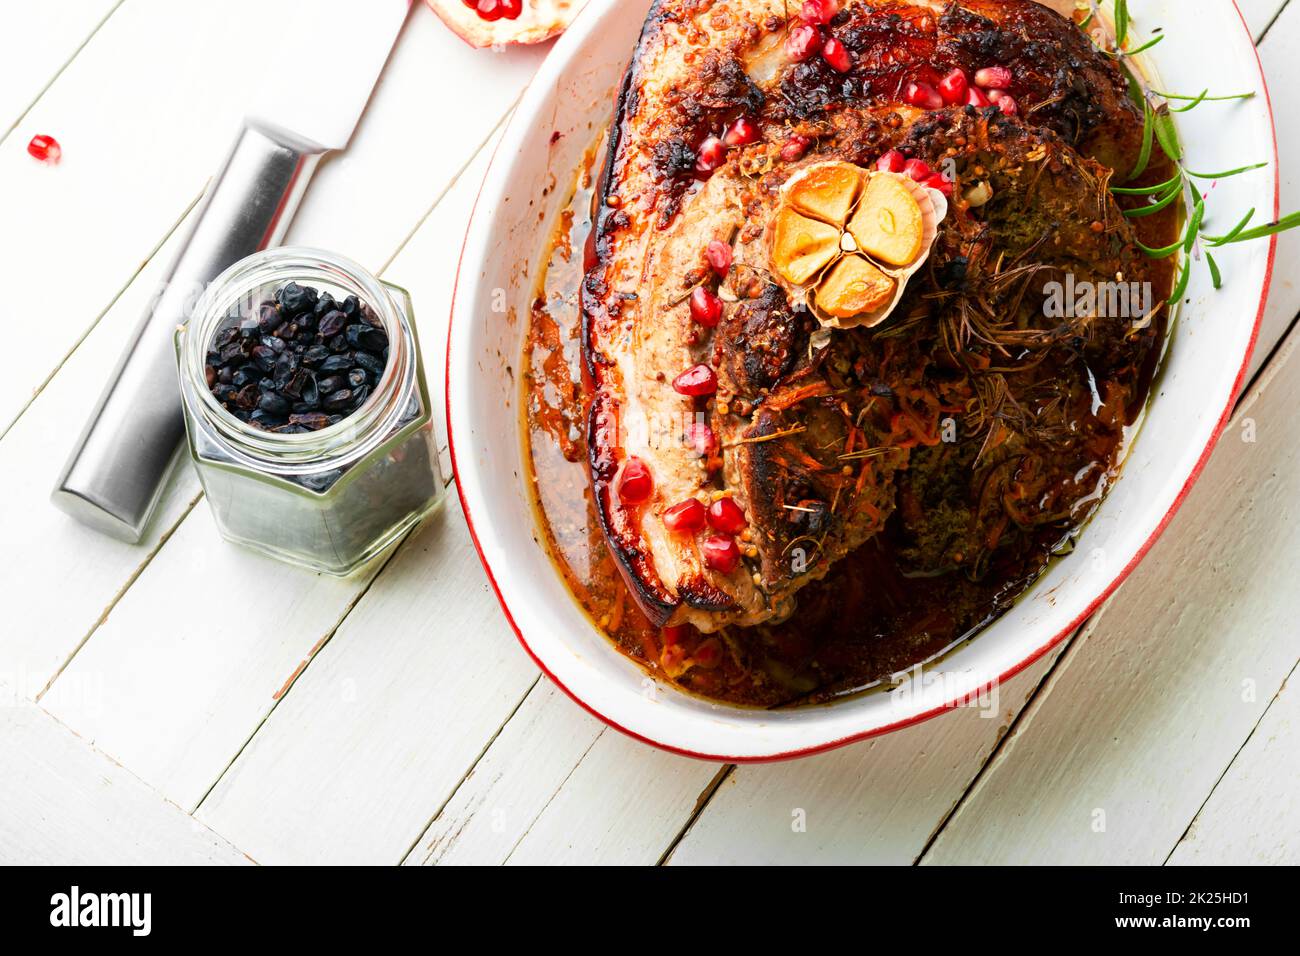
x=1121 y=22
x=1162 y=253
x=1148 y=137
x=1164 y=203
x=1215 y=275
x=1181 y=288
x=1210 y=99
x=1272 y=229
x=1149 y=190
x=1146 y=46
x=1194 y=225
x=1231 y=172
x=1232 y=233
x=1167 y=134
x=1192 y=105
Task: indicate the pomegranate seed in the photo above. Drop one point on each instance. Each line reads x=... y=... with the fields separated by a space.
x=701 y=439
x=672 y=636
x=741 y=133
x=795 y=147
x=510 y=9
x=712 y=154
x=709 y=654
x=696 y=382
x=837 y=55
x=803 y=42
x=954 y=86
x=688 y=516
x=918 y=170
x=1005 y=102
x=937 y=181
x=892 y=162
x=721 y=554
x=45 y=148
x=635 y=486
x=706 y=308
x=994 y=78
x=489 y=10
x=819 y=11
x=726 y=516
x=923 y=95
x=975 y=97
x=719 y=255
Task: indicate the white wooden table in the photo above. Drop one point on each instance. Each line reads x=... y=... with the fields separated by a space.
x=393 y=718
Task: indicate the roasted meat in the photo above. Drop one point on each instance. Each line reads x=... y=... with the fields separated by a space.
x=711 y=374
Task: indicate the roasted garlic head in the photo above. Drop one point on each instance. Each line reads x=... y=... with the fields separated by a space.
x=849 y=239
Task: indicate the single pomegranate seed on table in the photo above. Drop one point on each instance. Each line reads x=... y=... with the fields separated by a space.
x=45 y=148
x=993 y=78
x=819 y=11
x=635 y=486
x=711 y=155
x=923 y=96
x=975 y=97
x=719 y=255
x=687 y=516
x=697 y=382
x=1005 y=102
x=795 y=147
x=701 y=439
x=726 y=516
x=741 y=133
x=918 y=170
x=721 y=554
x=837 y=55
x=803 y=42
x=892 y=162
x=954 y=86
x=706 y=308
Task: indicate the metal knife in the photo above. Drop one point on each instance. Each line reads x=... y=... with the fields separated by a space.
x=115 y=475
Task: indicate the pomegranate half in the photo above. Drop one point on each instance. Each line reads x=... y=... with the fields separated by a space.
x=538 y=20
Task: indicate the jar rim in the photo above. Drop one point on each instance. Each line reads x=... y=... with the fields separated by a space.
x=306 y=265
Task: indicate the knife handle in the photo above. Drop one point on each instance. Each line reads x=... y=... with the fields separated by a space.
x=115 y=475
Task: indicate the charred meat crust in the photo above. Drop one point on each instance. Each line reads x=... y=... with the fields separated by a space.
x=1064 y=87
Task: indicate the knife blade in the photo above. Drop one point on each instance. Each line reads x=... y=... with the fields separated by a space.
x=115 y=475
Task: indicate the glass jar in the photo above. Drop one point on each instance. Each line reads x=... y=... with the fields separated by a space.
x=331 y=499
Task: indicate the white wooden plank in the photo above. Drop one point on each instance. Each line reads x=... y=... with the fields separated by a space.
x=877 y=802
x=1253 y=816
x=623 y=804
x=194 y=656
x=559 y=787
x=388 y=718
x=216 y=686
x=68 y=574
x=1148 y=707
x=63 y=803
x=1280 y=54
x=137 y=152
x=36 y=41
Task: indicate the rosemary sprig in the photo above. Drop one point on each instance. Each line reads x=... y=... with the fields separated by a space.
x=1158 y=129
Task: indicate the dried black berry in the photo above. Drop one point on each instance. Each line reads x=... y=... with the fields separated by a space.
x=303 y=361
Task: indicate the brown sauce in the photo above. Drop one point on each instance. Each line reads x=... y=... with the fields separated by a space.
x=867 y=620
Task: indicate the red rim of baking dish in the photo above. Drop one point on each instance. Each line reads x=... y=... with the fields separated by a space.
x=1010 y=672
